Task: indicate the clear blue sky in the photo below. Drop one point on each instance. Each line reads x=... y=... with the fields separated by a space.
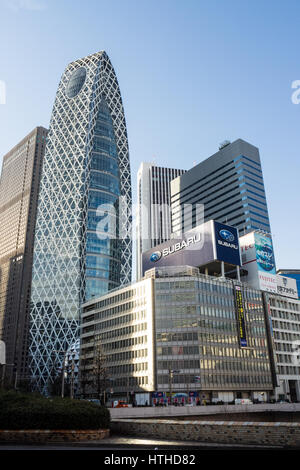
x=192 y=73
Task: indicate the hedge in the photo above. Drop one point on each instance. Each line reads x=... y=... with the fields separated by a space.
x=31 y=411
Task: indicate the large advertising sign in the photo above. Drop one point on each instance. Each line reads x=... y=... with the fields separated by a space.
x=259 y=261
x=204 y=244
x=240 y=317
x=287 y=286
x=227 y=244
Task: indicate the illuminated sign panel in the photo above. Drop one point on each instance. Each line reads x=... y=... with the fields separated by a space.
x=258 y=260
x=211 y=241
x=227 y=244
x=240 y=317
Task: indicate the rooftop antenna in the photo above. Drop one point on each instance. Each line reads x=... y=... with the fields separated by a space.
x=224 y=144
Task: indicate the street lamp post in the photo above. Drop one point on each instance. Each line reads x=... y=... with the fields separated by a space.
x=63 y=373
x=171 y=375
x=72 y=379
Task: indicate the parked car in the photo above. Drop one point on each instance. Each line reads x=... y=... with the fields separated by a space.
x=121 y=404
x=243 y=401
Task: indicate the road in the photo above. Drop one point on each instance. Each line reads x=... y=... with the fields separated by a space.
x=133 y=443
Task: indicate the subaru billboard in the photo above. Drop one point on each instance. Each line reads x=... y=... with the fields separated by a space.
x=227 y=244
x=208 y=242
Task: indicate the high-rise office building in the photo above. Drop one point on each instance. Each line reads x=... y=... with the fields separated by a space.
x=178 y=332
x=153 y=220
x=19 y=187
x=230 y=186
x=83 y=230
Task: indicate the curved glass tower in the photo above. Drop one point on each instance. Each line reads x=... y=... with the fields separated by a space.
x=82 y=244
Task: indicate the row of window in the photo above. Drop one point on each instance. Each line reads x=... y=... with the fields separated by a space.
x=200 y=284
x=229 y=366
x=218 y=379
x=103 y=162
x=286 y=305
x=283 y=325
x=177 y=350
x=216 y=351
x=122 y=308
x=288 y=370
x=218 y=338
x=130 y=382
x=112 y=323
x=181 y=364
x=123 y=343
x=282 y=335
x=127 y=355
x=128 y=368
x=128 y=330
x=127 y=294
x=222 y=171
x=285 y=358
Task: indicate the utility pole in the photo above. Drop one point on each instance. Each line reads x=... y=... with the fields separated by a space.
x=170 y=384
x=63 y=376
x=72 y=379
x=16 y=379
x=171 y=375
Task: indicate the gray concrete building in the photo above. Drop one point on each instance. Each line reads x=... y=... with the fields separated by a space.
x=153 y=218
x=181 y=334
x=230 y=186
x=19 y=188
x=285 y=315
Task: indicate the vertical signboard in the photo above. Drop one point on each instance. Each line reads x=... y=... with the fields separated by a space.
x=265 y=262
x=259 y=262
x=240 y=316
x=227 y=244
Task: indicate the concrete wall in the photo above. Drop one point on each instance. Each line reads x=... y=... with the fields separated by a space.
x=173 y=411
x=271 y=434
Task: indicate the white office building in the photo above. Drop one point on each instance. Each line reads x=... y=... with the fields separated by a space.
x=285 y=315
x=153 y=219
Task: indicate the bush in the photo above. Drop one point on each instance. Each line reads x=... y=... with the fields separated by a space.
x=32 y=411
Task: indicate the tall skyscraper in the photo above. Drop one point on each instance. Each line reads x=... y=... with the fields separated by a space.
x=19 y=187
x=83 y=231
x=230 y=186
x=153 y=220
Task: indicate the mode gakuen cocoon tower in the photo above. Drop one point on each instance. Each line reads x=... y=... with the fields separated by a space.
x=83 y=240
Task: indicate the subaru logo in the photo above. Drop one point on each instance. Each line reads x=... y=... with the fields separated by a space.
x=226 y=235
x=155 y=256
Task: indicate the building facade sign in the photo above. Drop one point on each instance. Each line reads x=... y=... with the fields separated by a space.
x=259 y=261
x=211 y=241
x=287 y=286
x=240 y=317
